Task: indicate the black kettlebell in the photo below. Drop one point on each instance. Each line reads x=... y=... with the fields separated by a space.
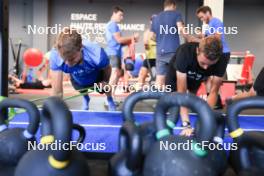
x=48 y=138
x=219 y=155
x=179 y=155
x=147 y=130
x=60 y=161
x=14 y=141
x=220 y=161
x=249 y=156
x=121 y=161
x=128 y=161
x=81 y=131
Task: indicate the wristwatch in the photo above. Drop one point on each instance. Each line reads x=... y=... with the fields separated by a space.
x=186 y=124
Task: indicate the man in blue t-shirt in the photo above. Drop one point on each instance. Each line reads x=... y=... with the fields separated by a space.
x=85 y=62
x=114 y=44
x=214 y=26
x=133 y=66
x=165 y=28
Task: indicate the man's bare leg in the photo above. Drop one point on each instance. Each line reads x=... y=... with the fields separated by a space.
x=160 y=81
x=242 y=95
x=114 y=78
x=143 y=73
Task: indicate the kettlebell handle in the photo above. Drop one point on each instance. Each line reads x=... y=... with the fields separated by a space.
x=204 y=112
x=47 y=136
x=130 y=142
x=61 y=120
x=221 y=124
x=31 y=110
x=235 y=108
x=135 y=97
x=81 y=132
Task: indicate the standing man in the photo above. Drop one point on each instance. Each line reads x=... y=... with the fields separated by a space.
x=215 y=27
x=114 y=44
x=192 y=64
x=86 y=62
x=167 y=41
x=150 y=60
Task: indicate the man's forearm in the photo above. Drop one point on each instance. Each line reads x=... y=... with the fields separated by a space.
x=125 y=40
x=186 y=35
x=212 y=99
x=190 y=38
x=182 y=88
x=184 y=114
x=184 y=111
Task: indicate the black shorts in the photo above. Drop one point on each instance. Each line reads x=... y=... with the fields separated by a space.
x=149 y=63
x=259 y=83
x=115 y=61
x=33 y=85
x=80 y=88
x=171 y=80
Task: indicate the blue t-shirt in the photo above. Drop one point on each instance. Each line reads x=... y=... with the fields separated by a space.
x=85 y=73
x=164 y=25
x=137 y=66
x=216 y=25
x=113 y=47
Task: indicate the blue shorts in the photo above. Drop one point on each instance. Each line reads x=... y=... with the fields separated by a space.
x=162 y=63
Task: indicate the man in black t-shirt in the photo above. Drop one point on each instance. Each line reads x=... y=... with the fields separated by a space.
x=192 y=64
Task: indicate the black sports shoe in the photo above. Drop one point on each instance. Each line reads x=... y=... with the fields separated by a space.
x=219 y=104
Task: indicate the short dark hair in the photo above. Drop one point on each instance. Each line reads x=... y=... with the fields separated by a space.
x=117 y=9
x=212 y=48
x=204 y=9
x=169 y=3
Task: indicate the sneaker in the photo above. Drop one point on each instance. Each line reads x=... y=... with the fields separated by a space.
x=111 y=107
x=219 y=104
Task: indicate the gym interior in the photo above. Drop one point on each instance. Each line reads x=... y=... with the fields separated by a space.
x=121 y=130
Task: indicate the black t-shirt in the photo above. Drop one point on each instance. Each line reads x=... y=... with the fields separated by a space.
x=185 y=61
x=259 y=83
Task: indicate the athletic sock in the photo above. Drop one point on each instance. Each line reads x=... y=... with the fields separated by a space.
x=86 y=100
x=111 y=104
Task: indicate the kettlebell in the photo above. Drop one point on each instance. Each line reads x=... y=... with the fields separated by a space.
x=179 y=155
x=81 y=131
x=128 y=161
x=47 y=136
x=249 y=156
x=61 y=161
x=14 y=141
x=147 y=130
x=219 y=155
